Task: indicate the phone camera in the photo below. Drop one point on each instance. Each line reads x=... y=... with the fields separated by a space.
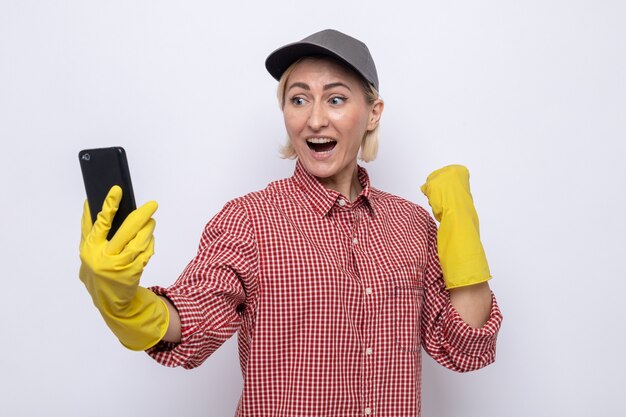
x=86 y=157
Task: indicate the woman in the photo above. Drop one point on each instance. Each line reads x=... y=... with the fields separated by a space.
x=333 y=286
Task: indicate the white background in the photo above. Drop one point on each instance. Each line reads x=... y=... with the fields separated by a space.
x=531 y=96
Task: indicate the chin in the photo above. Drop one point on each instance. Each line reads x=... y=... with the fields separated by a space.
x=319 y=169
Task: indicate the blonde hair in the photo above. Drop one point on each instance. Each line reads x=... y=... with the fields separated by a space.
x=369 y=145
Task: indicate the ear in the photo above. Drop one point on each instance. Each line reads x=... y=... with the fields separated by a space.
x=375 y=113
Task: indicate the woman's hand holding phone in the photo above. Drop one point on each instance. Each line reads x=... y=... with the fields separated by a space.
x=111 y=271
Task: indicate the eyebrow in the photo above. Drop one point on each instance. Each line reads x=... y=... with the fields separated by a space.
x=305 y=86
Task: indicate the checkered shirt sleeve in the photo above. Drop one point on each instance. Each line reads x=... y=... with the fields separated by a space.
x=445 y=336
x=213 y=290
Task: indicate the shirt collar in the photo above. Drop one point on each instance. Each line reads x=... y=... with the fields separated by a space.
x=322 y=199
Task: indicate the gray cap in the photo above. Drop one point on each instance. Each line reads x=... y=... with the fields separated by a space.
x=328 y=42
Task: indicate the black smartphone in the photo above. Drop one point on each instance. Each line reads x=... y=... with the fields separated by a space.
x=102 y=169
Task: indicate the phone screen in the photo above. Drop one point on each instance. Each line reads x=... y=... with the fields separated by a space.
x=103 y=168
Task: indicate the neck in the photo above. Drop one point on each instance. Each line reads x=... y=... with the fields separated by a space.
x=348 y=186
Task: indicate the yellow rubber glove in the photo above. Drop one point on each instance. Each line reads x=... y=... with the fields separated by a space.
x=461 y=253
x=111 y=270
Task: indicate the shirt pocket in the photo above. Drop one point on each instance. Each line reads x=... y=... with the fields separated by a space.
x=408 y=297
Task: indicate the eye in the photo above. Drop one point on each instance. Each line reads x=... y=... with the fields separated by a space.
x=297 y=101
x=336 y=100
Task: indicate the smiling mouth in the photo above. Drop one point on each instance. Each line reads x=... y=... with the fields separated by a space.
x=321 y=144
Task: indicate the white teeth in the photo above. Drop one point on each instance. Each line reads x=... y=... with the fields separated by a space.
x=320 y=140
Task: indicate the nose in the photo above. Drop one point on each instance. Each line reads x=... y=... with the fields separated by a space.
x=317 y=117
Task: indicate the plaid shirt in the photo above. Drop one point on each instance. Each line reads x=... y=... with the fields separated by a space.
x=333 y=301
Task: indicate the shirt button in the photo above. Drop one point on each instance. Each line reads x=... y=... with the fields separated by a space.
x=369 y=351
x=368 y=291
x=367 y=411
x=341 y=202
x=355 y=240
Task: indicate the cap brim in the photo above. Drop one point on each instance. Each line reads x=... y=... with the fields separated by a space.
x=279 y=60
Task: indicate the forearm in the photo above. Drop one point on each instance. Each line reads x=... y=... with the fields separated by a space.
x=472 y=302
x=174 y=332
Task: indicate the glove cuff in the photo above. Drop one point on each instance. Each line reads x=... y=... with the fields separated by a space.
x=145 y=322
